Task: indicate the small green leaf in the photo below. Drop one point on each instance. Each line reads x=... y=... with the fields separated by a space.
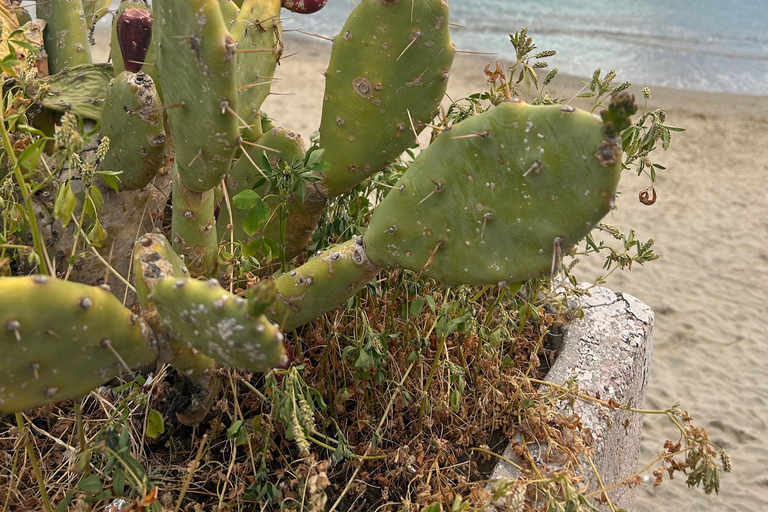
x=238 y=433
x=97 y=235
x=98 y=199
x=314 y=157
x=31 y=155
x=155 y=425
x=111 y=178
x=246 y=200
x=118 y=481
x=321 y=166
x=454 y=400
x=65 y=204
x=416 y=306
x=91 y=483
x=430 y=303
x=256 y=218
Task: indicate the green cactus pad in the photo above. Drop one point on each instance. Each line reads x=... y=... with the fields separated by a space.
x=216 y=322
x=132 y=118
x=491 y=199
x=321 y=284
x=195 y=57
x=257 y=29
x=193 y=226
x=60 y=340
x=153 y=261
x=391 y=58
x=79 y=89
x=66 y=33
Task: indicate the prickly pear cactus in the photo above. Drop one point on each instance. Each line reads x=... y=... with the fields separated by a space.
x=60 y=340
x=195 y=56
x=66 y=33
x=257 y=30
x=205 y=316
x=328 y=278
x=132 y=119
x=497 y=196
x=388 y=73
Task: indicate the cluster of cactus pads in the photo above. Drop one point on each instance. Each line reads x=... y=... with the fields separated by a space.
x=489 y=201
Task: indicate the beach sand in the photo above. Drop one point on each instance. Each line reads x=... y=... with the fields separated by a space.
x=708 y=289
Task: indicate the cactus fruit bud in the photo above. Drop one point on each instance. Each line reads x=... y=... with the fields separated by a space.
x=134 y=34
x=303 y=6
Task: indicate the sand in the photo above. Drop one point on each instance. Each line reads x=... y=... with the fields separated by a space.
x=708 y=289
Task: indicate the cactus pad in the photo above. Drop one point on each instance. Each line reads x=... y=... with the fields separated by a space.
x=491 y=199
x=59 y=340
x=321 y=284
x=257 y=29
x=79 y=90
x=195 y=56
x=132 y=118
x=66 y=33
x=391 y=60
x=205 y=316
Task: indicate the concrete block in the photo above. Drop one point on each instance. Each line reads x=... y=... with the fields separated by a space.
x=609 y=352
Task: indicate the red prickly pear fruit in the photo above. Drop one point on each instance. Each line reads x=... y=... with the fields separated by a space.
x=303 y=6
x=134 y=34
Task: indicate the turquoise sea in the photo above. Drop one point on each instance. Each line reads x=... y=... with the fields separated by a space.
x=709 y=45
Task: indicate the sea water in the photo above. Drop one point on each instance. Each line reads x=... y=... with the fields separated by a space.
x=709 y=45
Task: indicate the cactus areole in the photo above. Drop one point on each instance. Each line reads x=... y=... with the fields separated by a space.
x=134 y=34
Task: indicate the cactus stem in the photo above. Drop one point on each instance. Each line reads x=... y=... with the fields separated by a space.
x=265 y=148
x=432 y=255
x=468 y=52
x=488 y=216
x=437 y=189
x=256 y=84
x=557 y=255
x=415 y=133
x=256 y=50
x=199 y=154
x=414 y=38
x=177 y=105
x=107 y=343
x=245 y=153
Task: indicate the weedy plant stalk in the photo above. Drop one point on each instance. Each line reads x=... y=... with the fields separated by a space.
x=497 y=198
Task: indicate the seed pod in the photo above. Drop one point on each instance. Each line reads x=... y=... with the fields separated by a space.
x=134 y=34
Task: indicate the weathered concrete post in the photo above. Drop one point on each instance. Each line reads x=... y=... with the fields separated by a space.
x=609 y=352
